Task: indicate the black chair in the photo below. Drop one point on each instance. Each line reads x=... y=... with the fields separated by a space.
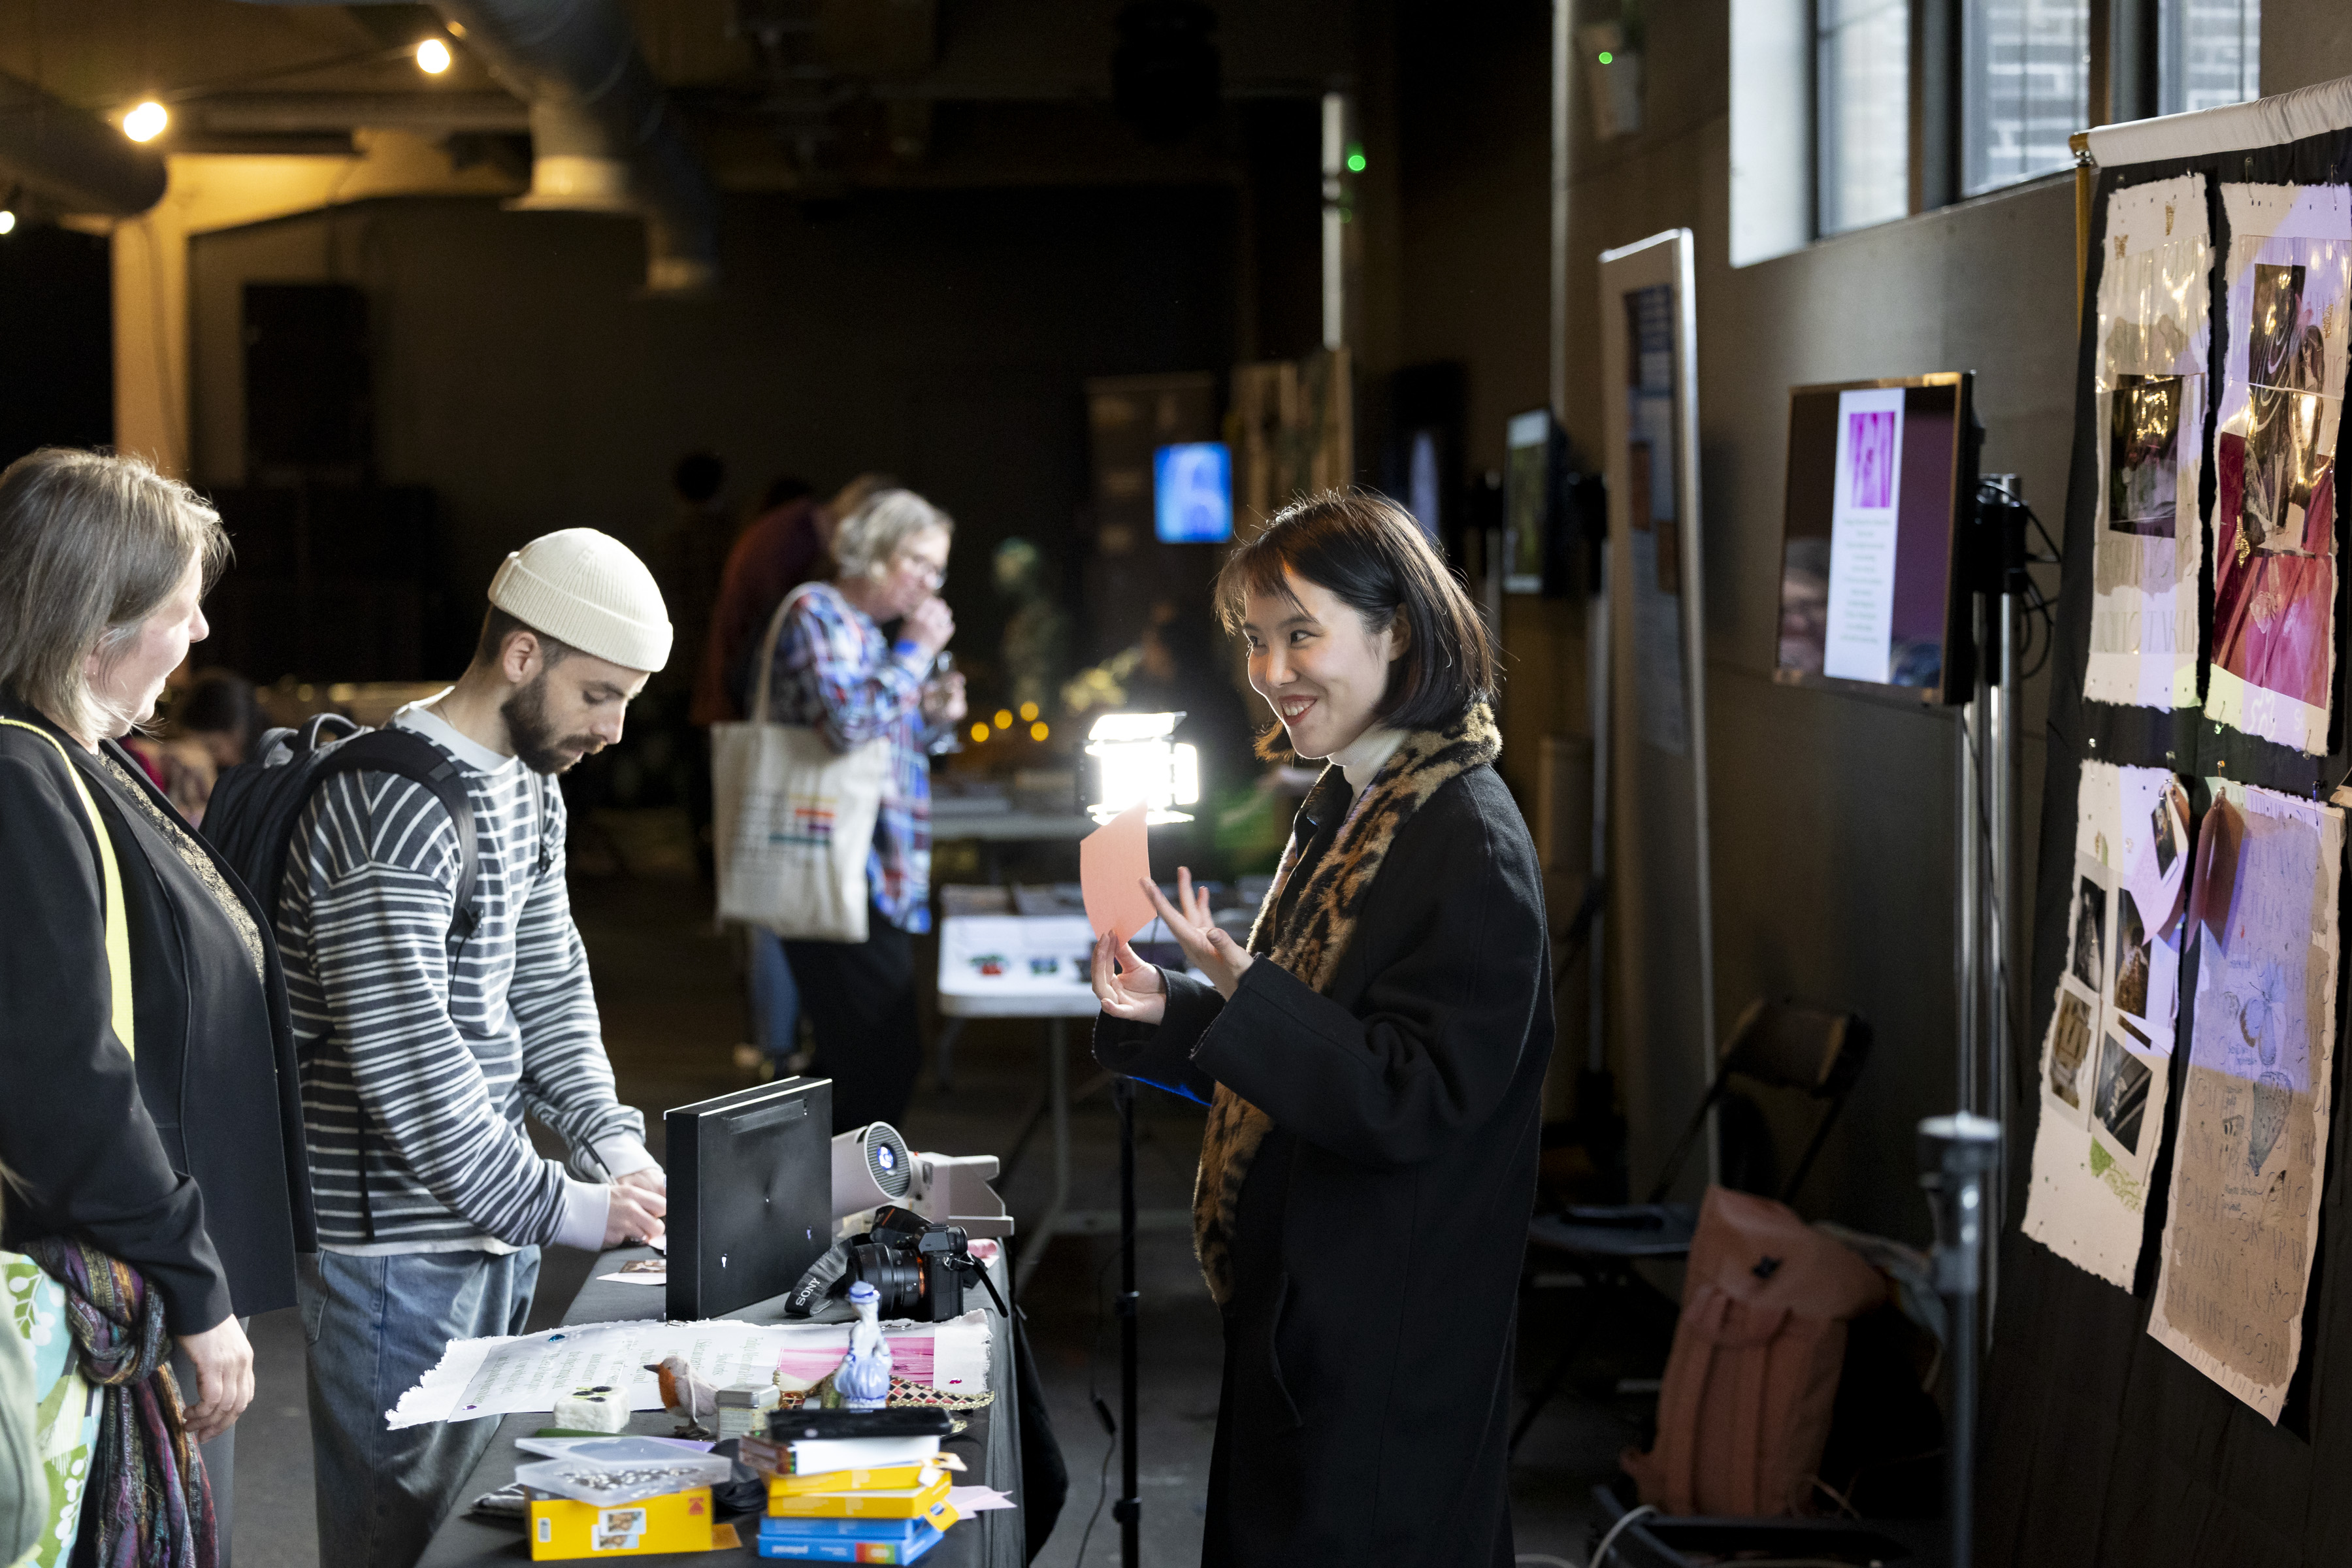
x=1784 y=1045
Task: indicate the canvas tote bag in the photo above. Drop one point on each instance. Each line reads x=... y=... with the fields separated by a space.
x=793 y=818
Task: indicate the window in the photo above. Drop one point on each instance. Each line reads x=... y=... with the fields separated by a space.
x=2025 y=87
x=1863 y=64
x=2207 y=53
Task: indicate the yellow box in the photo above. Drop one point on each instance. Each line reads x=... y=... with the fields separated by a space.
x=907 y=1502
x=675 y=1522
x=880 y=1477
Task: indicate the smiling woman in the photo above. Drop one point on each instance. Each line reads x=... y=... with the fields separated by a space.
x=1372 y=1062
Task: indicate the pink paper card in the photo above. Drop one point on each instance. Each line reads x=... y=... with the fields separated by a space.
x=1113 y=861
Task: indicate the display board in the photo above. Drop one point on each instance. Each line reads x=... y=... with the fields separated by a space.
x=2169 y=1352
x=1661 y=956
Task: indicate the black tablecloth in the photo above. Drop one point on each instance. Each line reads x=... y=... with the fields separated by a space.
x=990 y=1448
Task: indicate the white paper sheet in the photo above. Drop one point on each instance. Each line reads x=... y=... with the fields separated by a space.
x=2251 y=1158
x=2150 y=383
x=501 y=1376
x=2105 y=1059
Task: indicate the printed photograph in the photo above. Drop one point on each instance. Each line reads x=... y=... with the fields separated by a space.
x=1870 y=459
x=2131 y=956
x=2286 y=358
x=2164 y=835
x=2121 y=1102
x=2143 y=450
x=2070 y=1042
x=2090 y=936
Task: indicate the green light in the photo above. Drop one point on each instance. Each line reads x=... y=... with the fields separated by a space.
x=1354 y=163
x=1606 y=57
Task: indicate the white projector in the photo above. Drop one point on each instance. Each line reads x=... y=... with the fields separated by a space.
x=871 y=1166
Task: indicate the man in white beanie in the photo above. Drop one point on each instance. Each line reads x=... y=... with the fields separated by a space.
x=425 y=1031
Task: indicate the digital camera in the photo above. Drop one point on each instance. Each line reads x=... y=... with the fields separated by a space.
x=917 y=1265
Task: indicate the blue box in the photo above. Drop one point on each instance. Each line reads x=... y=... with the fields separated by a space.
x=863 y=1541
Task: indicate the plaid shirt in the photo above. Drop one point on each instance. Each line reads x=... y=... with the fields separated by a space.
x=835 y=672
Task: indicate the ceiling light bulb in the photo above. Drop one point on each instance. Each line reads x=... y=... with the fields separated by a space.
x=146 y=121
x=432 y=56
x=7 y=221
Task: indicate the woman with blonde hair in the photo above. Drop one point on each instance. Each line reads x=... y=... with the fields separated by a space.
x=152 y=1117
x=836 y=672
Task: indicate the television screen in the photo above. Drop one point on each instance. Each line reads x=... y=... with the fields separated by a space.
x=1877 y=475
x=1193 y=493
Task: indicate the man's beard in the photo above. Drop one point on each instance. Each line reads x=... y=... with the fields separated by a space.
x=534 y=738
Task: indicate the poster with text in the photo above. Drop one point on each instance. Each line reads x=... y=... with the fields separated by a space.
x=2104 y=1073
x=2288 y=287
x=2150 y=382
x=2248 y=1160
x=1866 y=490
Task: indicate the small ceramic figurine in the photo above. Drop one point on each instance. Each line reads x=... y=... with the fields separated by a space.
x=864 y=1378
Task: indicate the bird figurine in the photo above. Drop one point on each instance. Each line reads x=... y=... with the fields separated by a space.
x=864 y=1379
x=686 y=1394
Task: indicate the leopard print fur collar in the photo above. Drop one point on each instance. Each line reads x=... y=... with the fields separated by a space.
x=1315 y=938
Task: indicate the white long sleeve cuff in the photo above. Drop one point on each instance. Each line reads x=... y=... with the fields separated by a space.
x=586 y=1206
x=624 y=1153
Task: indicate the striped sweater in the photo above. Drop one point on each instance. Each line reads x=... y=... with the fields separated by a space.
x=416 y=1073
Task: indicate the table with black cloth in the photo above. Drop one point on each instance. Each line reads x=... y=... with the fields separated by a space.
x=990 y=1447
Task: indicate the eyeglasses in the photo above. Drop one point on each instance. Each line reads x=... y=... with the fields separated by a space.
x=933 y=577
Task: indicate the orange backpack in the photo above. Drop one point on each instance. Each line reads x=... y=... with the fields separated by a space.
x=1743 y=1409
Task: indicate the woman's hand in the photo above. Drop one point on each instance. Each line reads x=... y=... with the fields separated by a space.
x=1128 y=987
x=222 y=1358
x=1206 y=945
x=929 y=625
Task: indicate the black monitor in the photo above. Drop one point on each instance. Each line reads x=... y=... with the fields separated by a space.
x=751 y=1194
x=1881 y=478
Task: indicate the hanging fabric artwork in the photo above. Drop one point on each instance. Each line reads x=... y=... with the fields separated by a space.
x=2105 y=1059
x=2244 y=1216
x=2150 y=386
x=2288 y=295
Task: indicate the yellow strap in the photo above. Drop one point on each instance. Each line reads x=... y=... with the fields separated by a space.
x=117 y=925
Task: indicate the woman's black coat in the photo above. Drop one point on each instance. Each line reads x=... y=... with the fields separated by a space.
x=1376 y=1257
x=188 y=1165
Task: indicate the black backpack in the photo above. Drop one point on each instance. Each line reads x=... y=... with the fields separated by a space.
x=255 y=805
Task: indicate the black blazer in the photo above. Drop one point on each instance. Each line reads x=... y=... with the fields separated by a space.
x=1376 y=1257
x=189 y=1163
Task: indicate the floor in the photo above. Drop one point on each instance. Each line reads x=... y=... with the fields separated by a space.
x=672 y=1013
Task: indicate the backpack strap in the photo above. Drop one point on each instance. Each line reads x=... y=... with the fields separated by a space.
x=406 y=754
x=110 y=871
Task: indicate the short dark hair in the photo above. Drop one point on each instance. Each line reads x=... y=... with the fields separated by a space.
x=784 y=490
x=498 y=625
x=1367 y=551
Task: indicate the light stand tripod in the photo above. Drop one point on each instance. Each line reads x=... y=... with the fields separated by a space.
x=1956 y=1153
x=1994 y=561
x=1128 y=1510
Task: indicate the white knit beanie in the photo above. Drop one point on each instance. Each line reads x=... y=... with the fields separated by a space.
x=590 y=590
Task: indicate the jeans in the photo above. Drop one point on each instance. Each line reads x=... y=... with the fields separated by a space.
x=775 y=999
x=375 y=1327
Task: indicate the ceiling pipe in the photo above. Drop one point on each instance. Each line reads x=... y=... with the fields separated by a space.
x=70 y=158
x=605 y=137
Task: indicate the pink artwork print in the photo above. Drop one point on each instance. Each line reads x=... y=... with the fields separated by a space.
x=2272 y=612
x=1870 y=458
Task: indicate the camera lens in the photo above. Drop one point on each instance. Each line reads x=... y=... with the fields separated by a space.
x=896 y=1276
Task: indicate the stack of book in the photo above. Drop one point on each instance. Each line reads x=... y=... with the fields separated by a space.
x=854 y=1500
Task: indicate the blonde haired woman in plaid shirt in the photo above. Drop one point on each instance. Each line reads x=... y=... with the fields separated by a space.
x=836 y=673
